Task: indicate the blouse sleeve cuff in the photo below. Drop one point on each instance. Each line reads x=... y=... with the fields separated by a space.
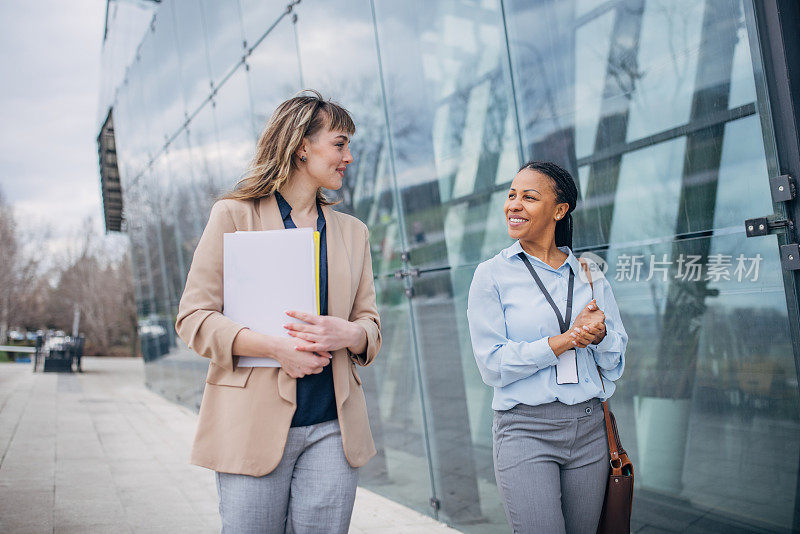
x=610 y=343
x=541 y=354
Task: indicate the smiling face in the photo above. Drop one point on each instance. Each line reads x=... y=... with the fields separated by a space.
x=531 y=208
x=327 y=155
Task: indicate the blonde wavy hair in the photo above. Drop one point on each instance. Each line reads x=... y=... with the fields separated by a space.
x=302 y=116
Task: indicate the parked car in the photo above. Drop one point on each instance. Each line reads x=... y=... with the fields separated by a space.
x=16 y=335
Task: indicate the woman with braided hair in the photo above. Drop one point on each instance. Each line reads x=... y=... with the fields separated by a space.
x=549 y=438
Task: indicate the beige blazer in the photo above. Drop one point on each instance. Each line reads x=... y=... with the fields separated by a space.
x=246 y=412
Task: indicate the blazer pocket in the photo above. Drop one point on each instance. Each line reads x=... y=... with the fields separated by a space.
x=219 y=376
x=355 y=374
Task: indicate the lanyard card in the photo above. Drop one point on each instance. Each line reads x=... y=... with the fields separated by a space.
x=567 y=364
x=567 y=367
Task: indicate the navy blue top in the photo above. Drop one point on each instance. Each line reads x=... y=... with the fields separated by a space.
x=316 y=400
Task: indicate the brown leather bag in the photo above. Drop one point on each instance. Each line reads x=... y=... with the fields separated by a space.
x=616 y=515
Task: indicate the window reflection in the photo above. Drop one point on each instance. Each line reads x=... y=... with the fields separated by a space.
x=708 y=390
x=235 y=134
x=194 y=67
x=202 y=138
x=273 y=71
x=224 y=36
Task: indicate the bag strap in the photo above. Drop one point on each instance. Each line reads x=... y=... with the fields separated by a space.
x=613 y=450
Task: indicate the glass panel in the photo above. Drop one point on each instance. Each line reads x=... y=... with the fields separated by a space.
x=148 y=71
x=191 y=198
x=357 y=88
x=224 y=34
x=125 y=25
x=666 y=70
x=165 y=95
x=451 y=117
x=542 y=41
x=173 y=369
x=455 y=137
x=234 y=128
x=699 y=385
x=190 y=36
x=459 y=403
x=258 y=16
x=592 y=46
x=124 y=135
x=137 y=137
x=176 y=215
x=162 y=255
x=400 y=470
x=274 y=72
x=202 y=138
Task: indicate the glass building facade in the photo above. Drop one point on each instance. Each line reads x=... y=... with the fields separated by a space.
x=661 y=109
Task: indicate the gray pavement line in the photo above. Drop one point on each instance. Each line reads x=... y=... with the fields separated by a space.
x=16 y=425
x=13 y=389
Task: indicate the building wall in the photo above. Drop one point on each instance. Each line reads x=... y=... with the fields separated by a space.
x=655 y=106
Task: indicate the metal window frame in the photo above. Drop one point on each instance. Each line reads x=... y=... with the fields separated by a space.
x=776 y=23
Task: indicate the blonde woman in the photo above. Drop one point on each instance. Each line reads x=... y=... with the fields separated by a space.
x=286 y=443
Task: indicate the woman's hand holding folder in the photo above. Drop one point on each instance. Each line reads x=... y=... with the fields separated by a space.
x=326 y=333
x=297 y=362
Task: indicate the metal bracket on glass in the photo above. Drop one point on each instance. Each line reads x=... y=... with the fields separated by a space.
x=436 y=504
x=790 y=257
x=782 y=188
x=406 y=273
x=762 y=226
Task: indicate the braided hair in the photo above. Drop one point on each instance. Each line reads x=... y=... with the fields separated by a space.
x=566 y=192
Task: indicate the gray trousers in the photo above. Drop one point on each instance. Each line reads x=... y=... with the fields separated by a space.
x=551 y=464
x=312 y=489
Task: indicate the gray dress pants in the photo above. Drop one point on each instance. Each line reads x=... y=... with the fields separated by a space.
x=551 y=464
x=312 y=489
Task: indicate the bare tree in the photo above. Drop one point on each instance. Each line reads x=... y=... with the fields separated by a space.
x=102 y=289
x=9 y=249
x=20 y=298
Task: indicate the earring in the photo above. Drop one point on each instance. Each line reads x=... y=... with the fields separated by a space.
x=302 y=158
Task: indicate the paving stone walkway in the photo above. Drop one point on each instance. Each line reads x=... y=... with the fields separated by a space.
x=98 y=452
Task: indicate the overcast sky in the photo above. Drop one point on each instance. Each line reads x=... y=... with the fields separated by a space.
x=49 y=83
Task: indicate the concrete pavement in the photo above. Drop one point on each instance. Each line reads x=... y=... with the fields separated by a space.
x=98 y=452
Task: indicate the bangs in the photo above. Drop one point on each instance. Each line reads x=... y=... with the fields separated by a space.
x=339 y=119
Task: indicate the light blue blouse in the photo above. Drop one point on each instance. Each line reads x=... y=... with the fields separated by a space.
x=510 y=321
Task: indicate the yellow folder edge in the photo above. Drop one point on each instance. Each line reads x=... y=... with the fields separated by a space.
x=316 y=268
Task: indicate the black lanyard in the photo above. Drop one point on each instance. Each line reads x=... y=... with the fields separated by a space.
x=563 y=324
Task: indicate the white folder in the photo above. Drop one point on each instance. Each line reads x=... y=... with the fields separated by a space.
x=266 y=274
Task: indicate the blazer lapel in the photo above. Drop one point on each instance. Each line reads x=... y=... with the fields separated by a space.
x=339 y=297
x=338 y=266
x=270 y=219
x=269 y=214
